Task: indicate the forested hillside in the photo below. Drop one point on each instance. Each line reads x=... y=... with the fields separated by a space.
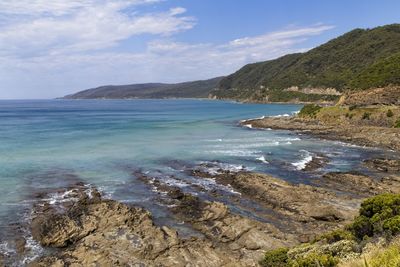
x=359 y=59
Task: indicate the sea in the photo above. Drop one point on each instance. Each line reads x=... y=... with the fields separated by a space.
x=103 y=143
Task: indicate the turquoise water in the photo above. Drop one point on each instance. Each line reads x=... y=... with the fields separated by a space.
x=53 y=143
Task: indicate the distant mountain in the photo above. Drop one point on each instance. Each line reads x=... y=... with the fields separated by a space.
x=195 y=89
x=359 y=59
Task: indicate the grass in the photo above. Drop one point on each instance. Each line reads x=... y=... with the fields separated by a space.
x=377 y=256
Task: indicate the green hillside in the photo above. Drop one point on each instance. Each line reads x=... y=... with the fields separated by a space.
x=358 y=59
x=382 y=73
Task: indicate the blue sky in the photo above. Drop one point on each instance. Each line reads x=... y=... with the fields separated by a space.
x=52 y=48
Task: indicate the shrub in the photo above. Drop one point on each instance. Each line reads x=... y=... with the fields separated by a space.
x=315 y=259
x=378 y=215
x=335 y=236
x=389 y=113
x=366 y=116
x=309 y=110
x=392 y=225
x=362 y=227
x=275 y=258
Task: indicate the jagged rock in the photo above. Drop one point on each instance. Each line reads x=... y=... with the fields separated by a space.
x=109 y=233
x=246 y=239
x=290 y=199
x=384 y=165
x=357 y=183
x=350 y=182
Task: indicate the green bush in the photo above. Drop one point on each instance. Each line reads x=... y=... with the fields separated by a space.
x=315 y=260
x=378 y=215
x=366 y=116
x=275 y=258
x=335 y=236
x=397 y=123
x=362 y=227
x=389 y=113
x=309 y=110
x=279 y=258
x=392 y=225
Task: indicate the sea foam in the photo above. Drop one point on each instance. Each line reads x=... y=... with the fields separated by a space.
x=307 y=157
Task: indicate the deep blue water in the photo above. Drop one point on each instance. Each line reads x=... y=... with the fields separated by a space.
x=52 y=143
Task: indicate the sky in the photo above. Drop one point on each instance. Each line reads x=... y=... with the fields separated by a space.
x=50 y=48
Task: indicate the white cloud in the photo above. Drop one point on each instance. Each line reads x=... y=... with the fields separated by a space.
x=52 y=48
x=281 y=35
x=57 y=7
x=63 y=26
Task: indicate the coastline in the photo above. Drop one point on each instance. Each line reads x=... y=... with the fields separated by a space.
x=82 y=227
x=86 y=228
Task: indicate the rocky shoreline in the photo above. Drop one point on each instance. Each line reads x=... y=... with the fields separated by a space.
x=370 y=136
x=261 y=212
x=82 y=228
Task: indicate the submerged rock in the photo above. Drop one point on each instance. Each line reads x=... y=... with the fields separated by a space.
x=318 y=161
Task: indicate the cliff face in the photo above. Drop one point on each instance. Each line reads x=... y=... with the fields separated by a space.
x=357 y=60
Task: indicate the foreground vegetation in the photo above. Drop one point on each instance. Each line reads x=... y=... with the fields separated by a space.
x=372 y=240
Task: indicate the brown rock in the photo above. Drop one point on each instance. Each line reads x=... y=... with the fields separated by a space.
x=243 y=238
x=301 y=209
x=1 y=260
x=384 y=165
x=108 y=233
x=359 y=184
x=20 y=243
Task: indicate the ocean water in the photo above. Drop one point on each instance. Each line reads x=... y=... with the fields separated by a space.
x=54 y=143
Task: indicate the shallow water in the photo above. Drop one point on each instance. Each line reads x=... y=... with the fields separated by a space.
x=53 y=143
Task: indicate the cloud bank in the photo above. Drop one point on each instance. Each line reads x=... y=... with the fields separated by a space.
x=51 y=48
